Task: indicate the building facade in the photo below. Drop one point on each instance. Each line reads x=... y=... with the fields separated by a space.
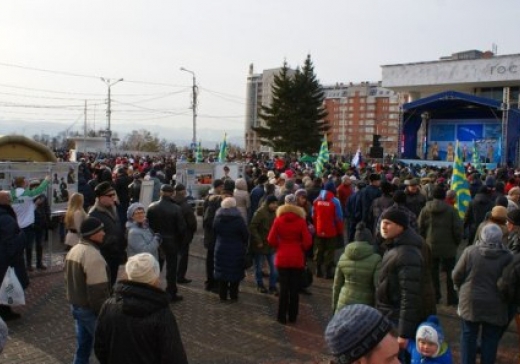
x=258 y=93
x=357 y=112
x=473 y=72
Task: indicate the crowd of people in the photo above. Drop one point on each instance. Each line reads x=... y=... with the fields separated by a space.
x=398 y=227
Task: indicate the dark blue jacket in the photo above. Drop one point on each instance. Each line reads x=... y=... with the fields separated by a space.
x=256 y=195
x=230 y=246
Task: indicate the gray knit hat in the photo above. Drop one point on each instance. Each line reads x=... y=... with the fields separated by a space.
x=354 y=331
x=132 y=208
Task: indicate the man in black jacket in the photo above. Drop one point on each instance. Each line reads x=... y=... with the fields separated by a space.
x=398 y=293
x=165 y=217
x=114 y=242
x=191 y=223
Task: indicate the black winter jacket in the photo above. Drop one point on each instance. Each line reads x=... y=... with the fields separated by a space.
x=136 y=326
x=114 y=244
x=165 y=217
x=12 y=244
x=398 y=293
x=189 y=217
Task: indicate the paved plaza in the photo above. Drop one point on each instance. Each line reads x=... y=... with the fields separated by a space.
x=212 y=332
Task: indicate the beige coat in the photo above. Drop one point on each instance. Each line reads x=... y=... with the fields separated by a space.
x=72 y=238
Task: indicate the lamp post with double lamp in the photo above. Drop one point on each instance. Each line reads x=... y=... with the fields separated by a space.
x=193 y=107
x=109 y=111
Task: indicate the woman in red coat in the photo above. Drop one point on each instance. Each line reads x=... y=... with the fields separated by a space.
x=290 y=237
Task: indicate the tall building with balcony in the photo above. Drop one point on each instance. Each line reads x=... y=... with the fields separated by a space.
x=258 y=93
x=357 y=112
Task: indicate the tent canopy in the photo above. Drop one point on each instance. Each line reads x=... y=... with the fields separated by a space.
x=457 y=106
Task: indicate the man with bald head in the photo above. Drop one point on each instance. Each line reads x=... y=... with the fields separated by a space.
x=12 y=243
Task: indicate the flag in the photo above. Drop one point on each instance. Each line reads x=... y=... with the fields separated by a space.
x=459 y=183
x=476 y=158
x=356 y=160
x=323 y=156
x=223 y=150
x=199 y=156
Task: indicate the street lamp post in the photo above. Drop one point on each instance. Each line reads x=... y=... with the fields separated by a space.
x=193 y=106
x=109 y=111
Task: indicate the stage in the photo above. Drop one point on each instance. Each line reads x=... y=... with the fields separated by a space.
x=442 y=164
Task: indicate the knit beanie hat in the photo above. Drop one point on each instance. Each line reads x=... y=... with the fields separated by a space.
x=362 y=233
x=354 y=331
x=430 y=331
x=301 y=192
x=290 y=199
x=491 y=235
x=396 y=216
x=228 y=203
x=329 y=186
x=142 y=268
x=133 y=208
x=103 y=189
x=229 y=187
x=3 y=334
x=90 y=226
x=270 y=199
x=514 y=217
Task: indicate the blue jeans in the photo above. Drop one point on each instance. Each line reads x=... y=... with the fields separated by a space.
x=489 y=344
x=85 y=327
x=273 y=274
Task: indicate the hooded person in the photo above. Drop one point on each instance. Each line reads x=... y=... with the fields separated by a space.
x=481 y=306
x=357 y=271
x=138 y=312
x=429 y=345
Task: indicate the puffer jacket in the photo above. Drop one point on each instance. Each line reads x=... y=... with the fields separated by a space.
x=259 y=229
x=231 y=237
x=441 y=227
x=475 y=276
x=290 y=237
x=356 y=276
x=398 y=292
x=136 y=325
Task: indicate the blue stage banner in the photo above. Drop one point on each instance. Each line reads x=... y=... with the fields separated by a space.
x=469 y=132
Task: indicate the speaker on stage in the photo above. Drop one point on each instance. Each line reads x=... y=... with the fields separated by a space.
x=376 y=152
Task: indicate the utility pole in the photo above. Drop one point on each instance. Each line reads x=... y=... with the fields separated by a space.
x=193 y=107
x=85 y=127
x=108 y=132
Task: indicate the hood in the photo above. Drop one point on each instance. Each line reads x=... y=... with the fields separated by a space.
x=409 y=237
x=358 y=250
x=437 y=206
x=290 y=209
x=490 y=250
x=140 y=299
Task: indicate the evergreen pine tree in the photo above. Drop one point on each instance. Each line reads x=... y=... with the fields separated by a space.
x=295 y=120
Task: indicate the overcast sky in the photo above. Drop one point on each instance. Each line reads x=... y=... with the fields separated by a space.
x=146 y=43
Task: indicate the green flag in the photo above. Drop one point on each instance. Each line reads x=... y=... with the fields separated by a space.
x=323 y=156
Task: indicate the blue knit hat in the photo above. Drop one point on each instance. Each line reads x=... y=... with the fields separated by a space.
x=430 y=331
x=132 y=208
x=354 y=331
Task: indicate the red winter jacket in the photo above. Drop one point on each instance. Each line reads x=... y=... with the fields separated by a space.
x=290 y=237
x=327 y=215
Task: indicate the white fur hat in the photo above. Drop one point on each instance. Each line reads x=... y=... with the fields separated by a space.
x=228 y=203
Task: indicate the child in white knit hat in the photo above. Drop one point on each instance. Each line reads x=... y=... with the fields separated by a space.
x=429 y=345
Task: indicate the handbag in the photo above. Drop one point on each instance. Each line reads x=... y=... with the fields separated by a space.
x=11 y=291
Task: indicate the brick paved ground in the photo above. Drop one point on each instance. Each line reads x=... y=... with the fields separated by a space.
x=212 y=332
